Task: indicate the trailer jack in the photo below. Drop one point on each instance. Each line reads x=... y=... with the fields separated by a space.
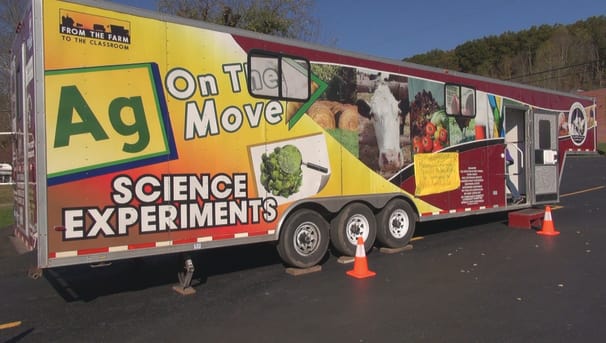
x=184 y=287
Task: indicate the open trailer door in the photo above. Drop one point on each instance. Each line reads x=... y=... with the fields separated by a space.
x=544 y=154
x=23 y=103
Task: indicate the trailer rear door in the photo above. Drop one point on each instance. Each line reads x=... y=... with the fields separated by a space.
x=545 y=154
x=24 y=132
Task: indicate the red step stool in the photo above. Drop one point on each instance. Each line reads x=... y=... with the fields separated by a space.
x=526 y=219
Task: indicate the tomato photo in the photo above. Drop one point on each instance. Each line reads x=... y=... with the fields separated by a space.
x=417 y=145
x=427 y=144
x=430 y=129
x=437 y=145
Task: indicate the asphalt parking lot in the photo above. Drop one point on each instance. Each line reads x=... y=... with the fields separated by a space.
x=472 y=279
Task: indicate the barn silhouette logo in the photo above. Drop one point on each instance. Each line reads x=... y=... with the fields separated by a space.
x=93 y=26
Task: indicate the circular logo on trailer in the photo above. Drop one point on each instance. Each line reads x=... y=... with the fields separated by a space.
x=577 y=123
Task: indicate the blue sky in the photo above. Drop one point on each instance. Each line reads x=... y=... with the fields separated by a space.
x=403 y=28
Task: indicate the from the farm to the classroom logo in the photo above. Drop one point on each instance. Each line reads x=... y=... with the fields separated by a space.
x=108 y=32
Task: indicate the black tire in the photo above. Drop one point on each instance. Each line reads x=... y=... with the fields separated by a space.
x=397 y=223
x=354 y=219
x=304 y=239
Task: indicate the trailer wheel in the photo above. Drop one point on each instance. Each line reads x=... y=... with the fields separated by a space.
x=396 y=224
x=354 y=220
x=304 y=239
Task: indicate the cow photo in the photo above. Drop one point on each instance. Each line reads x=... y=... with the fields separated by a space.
x=368 y=112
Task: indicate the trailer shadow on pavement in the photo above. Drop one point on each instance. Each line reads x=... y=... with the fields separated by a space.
x=440 y=226
x=87 y=282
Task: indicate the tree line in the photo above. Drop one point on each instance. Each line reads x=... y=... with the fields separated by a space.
x=560 y=57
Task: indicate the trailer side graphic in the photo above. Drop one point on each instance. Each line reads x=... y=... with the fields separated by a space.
x=205 y=136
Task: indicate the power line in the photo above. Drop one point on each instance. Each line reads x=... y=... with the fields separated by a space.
x=548 y=78
x=553 y=69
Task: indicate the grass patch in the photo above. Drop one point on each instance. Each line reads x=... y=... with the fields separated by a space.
x=6 y=217
x=602 y=148
x=6 y=206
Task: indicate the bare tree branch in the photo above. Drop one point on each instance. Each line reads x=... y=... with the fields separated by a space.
x=285 y=18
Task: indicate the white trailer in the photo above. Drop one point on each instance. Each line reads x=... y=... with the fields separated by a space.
x=140 y=134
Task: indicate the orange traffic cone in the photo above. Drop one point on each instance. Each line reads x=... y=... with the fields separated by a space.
x=360 y=269
x=548 y=229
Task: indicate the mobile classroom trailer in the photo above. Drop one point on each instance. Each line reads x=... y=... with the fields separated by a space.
x=138 y=134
